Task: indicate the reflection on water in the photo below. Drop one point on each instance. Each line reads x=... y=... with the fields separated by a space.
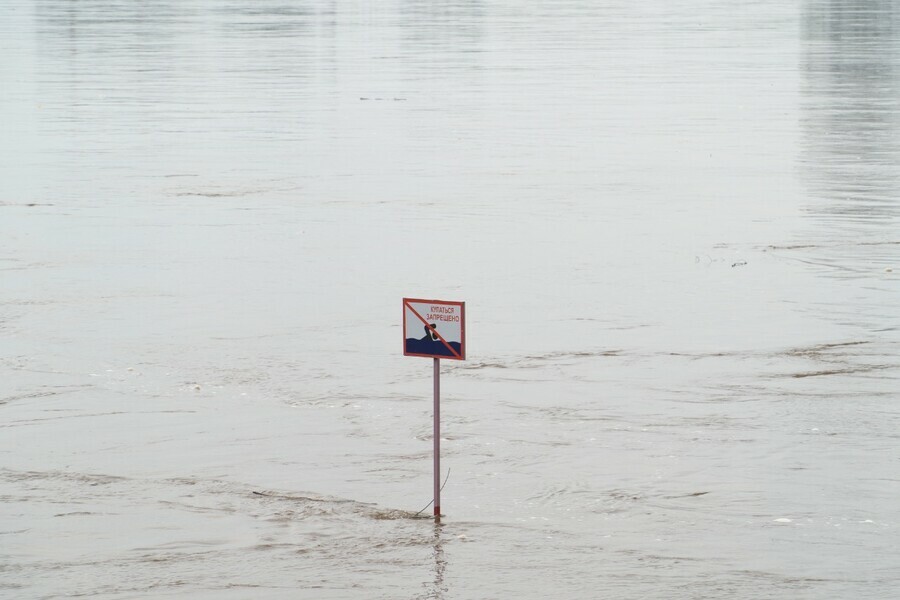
x=850 y=63
x=437 y=589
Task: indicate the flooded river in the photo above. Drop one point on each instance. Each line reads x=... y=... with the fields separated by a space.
x=676 y=227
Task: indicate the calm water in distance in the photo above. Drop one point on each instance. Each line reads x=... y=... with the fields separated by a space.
x=676 y=227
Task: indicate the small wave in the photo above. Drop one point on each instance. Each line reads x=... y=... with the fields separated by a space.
x=845 y=371
x=819 y=349
x=536 y=360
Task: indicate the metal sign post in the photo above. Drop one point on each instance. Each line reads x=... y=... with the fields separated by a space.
x=437 y=438
x=444 y=326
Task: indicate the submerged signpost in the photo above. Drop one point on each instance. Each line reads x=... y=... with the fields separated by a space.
x=435 y=329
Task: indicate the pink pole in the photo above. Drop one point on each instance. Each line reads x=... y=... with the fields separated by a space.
x=437 y=438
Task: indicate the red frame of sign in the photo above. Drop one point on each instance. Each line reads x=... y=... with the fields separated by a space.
x=462 y=327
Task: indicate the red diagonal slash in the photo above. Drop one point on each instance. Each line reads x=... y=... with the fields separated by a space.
x=440 y=337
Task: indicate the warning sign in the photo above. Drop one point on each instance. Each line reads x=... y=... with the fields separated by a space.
x=434 y=328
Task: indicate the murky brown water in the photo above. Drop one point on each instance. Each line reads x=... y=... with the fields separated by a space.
x=676 y=227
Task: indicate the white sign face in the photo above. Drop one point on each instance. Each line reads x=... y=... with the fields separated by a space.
x=434 y=328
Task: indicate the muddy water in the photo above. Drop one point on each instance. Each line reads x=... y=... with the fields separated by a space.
x=676 y=226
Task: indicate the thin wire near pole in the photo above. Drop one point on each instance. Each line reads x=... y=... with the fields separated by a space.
x=430 y=502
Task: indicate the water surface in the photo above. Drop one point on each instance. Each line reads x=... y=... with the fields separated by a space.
x=676 y=228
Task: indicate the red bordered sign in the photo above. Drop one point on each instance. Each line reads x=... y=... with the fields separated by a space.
x=434 y=328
